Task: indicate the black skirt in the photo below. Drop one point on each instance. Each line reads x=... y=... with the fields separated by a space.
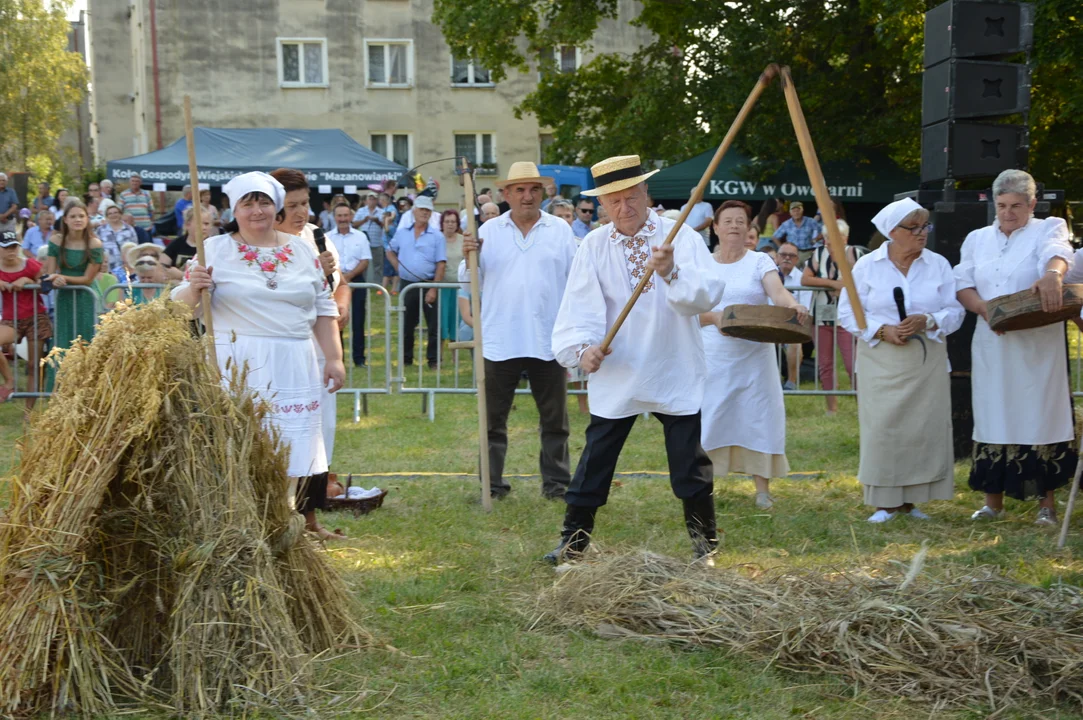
x=1022 y=471
x=312 y=493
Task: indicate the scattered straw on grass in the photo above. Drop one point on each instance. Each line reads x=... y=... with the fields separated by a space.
x=974 y=639
x=149 y=557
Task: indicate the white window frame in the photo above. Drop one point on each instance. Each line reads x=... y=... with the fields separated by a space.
x=471 y=83
x=282 y=82
x=554 y=58
x=409 y=43
x=490 y=172
x=390 y=136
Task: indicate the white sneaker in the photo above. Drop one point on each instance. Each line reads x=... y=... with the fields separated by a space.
x=1046 y=517
x=917 y=514
x=764 y=501
x=882 y=516
x=987 y=513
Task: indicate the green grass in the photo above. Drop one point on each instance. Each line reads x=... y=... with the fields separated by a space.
x=449 y=589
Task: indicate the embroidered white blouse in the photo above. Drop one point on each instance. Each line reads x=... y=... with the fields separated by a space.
x=242 y=300
x=522 y=280
x=928 y=288
x=657 y=363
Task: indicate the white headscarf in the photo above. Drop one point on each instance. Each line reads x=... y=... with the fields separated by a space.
x=891 y=215
x=250 y=182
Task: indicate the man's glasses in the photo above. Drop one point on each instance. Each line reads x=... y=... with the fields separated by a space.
x=586 y=211
x=791 y=256
x=916 y=230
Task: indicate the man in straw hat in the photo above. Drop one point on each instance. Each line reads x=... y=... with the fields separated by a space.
x=655 y=364
x=528 y=255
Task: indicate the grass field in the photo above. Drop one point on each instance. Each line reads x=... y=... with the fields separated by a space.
x=449 y=589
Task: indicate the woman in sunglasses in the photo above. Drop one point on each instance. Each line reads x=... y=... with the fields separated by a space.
x=904 y=393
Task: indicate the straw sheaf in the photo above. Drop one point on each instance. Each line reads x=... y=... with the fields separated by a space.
x=971 y=640
x=149 y=558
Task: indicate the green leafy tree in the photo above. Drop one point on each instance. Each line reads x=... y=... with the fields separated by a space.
x=40 y=82
x=856 y=63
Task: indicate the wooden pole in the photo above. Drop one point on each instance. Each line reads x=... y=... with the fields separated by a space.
x=479 y=359
x=1071 y=499
x=195 y=231
x=765 y=79
x=835 y=244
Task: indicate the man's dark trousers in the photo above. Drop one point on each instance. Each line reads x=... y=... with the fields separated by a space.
x=549 y=386
x=412 y=297
x=690 y=469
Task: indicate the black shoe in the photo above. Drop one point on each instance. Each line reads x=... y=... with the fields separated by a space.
x=575 y=535
x=699 y=518
x=432 y=364
x=555 y=493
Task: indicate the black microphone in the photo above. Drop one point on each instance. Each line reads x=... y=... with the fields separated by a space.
x=321 y=245
x=900 y=303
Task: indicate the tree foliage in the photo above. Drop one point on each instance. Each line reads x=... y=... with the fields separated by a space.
x=40 y=82
x=856 y=64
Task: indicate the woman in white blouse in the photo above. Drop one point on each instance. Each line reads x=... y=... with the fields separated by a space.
x=1020 y=392
x=744 y=416
x=269 y=296
x=904 y=393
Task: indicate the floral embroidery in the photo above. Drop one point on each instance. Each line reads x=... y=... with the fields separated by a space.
x=296 y=407
x=279 y=257
x=636 y=253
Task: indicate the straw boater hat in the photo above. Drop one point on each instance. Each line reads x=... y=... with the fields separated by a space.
x=615 y=174
x=523 y=172
x=137 y=251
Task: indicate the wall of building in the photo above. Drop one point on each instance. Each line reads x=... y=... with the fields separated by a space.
x=224 y=55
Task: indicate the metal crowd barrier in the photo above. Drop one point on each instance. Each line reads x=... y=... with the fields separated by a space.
x=368 y=387
x=33 y=344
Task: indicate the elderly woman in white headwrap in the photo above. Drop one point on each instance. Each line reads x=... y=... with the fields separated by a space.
x=904 y=394
x=1020 y=392
x=269 y=296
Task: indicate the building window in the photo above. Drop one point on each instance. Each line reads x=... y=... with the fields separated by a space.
x=390 y=63
x=302 y=62
x=567 y=59
x=465 y=73
x=479 y=149
x=545 y=140
x=396 y=147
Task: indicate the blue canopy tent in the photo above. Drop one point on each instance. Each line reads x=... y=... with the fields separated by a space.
x=328 y=157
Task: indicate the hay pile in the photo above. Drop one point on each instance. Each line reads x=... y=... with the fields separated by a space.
x=951 y=642
x=149 y=558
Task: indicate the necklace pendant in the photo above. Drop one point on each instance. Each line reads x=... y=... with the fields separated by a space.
x=273 y=284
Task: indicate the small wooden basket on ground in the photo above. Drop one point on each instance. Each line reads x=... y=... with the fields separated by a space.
x=1023 y=310
x=358 y=506
x=766 y=324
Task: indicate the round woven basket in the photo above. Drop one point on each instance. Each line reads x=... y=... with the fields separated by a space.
x=1023 y=310
x=766 y=324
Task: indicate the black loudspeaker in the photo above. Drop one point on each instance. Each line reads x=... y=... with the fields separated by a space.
x=969 y=88
x=951 y=149
x=964 y=29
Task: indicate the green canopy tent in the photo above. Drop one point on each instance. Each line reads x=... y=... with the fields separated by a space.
x=871 y=180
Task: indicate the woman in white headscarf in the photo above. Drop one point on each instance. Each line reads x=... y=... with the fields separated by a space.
x=1022 y=405
x=904 y=395
x=269 y=296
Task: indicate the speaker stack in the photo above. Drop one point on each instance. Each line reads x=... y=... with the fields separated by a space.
x=974 y=105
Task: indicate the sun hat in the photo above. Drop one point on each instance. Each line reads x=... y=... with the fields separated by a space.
x=133 y=253
x=615 y=174
x=423 y=202
x=523 y=172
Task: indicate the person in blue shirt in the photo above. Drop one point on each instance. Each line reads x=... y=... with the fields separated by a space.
x=419 y=254
x=799 y=230
x=183 y=204
x=584 y=213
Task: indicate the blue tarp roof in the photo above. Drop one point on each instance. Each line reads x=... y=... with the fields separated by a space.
x=328 y=157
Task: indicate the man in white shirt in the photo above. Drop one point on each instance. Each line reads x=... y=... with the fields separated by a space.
x=656 y=362
x=369 y=219
x=699 y=218
x=528 y=255
x=355 y=256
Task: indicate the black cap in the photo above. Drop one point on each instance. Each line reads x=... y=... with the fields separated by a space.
x=8 y=238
